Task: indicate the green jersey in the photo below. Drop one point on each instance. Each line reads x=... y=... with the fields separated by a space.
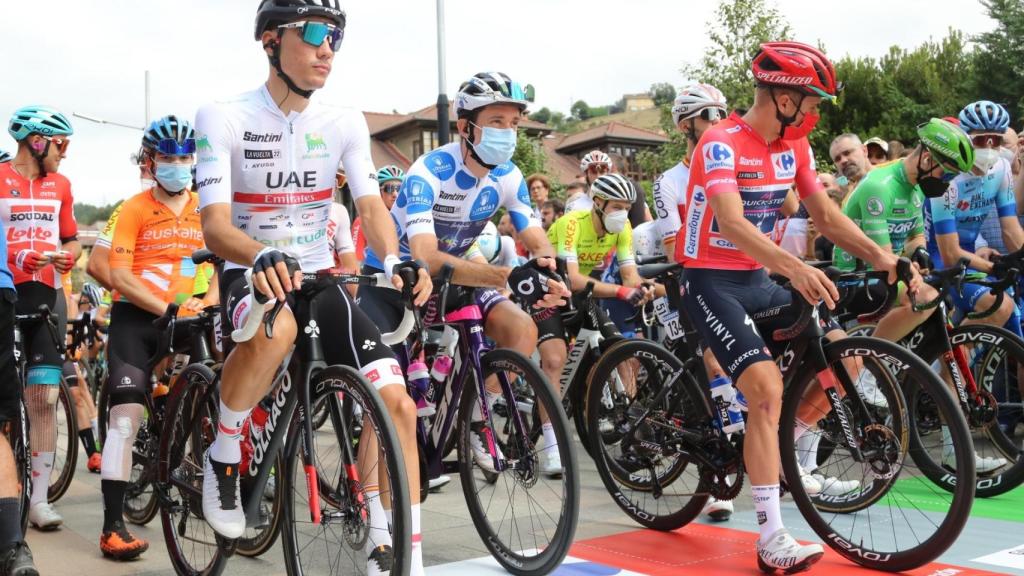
x=887 y=208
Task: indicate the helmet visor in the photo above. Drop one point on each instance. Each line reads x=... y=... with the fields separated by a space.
x=172 y=147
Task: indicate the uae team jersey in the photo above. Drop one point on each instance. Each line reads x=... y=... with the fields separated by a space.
x=669 y=199
x=277 y=172
x=731 y=158
x=441 y=197
x=37 y=215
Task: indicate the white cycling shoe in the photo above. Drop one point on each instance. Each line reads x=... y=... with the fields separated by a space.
x=718 y=510
x=221 y=498
x=44 y=516
x=868 y=388
x=783 y=553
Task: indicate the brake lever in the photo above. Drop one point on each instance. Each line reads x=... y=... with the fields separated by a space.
x=271 y=318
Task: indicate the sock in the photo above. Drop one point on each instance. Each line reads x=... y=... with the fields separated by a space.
x=769 y=515
x=94 y=423
x=10 y=527
x=807 y=450
x=113 y=502
x=416 y=566
x=88 y=441
x=42 y=465
x=380 y=525
x=799 y=429
x=390 y=516
x=947 y=444
x=550 y=442
x=226 y=448
x=492 y=397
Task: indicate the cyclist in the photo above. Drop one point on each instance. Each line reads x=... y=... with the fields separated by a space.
x=389 y=178
x=447 y=199
x=5 y=157
x=593 y=164
x=36 y=206
x=740 y=176
x=268 y=216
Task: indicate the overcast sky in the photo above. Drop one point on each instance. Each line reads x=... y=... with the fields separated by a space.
x=89 y=56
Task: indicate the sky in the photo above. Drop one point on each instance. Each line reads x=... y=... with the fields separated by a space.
x=89 y=57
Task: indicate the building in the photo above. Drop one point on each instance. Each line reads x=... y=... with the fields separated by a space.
x=638 y=102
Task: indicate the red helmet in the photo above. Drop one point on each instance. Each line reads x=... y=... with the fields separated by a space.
x=795 y=65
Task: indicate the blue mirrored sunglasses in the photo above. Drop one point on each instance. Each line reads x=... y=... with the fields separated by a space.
x=172 y=147
x=314 y=33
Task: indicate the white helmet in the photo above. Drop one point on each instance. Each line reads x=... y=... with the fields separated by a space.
x=488 y=88
x=613 y=187
x=595 y=157
x=693 y=99
x=489 y=242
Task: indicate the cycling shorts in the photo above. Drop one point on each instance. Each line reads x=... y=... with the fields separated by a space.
x=39 y=346
x=10 y=388
x=968 y=301
x=133 y=344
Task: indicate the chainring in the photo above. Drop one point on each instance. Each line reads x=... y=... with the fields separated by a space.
x=729 y=462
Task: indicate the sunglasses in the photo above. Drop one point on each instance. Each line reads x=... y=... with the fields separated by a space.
x=598 y=168
x=391 y=188
x=314 y=33
x=172 y=147
x=712 y=114
x=60 y=142
x=987 y=140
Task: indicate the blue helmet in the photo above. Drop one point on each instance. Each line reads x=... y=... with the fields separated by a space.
x=4 y=157
x=390 y=172
x=38 y=120
x=984 y=116
x=170 y=135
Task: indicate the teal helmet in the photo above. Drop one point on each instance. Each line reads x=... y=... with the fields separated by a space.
x=4 y=157
x=390 y=172
x=38 y=120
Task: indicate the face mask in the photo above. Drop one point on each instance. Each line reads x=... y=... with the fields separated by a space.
x=1004 y=152
x=985 y=159
x=148 y=183
x=616 y=221
x=842 y=180
x=801 y=131
x=173 y=178
x=496 y=146
x=932 y=187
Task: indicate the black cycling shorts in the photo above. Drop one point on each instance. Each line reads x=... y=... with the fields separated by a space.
x=132 y=345
x=10 y=388
x=38 y=342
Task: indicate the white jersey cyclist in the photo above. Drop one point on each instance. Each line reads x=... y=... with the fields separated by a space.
x=669 y=194
x=339 y=230
x=441 y=197
x=282 y=170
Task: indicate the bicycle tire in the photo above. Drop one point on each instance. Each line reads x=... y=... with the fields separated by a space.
x=908 y=371
x=16 y=433
x=264 y=539
x=620 y=481
x=516 y=446
x=191 y=403
x=66 y=457
x=320 y=414
x=303 y=559
x=1012 y=474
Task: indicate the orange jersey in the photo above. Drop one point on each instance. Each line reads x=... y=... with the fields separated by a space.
x=157 y=245
x=37 y=215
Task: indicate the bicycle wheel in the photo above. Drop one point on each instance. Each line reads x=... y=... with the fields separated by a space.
x=337 y=544
x=16 y=433
x=140 y=504
x=320 y=414
x=526 y=520
x=189 y=428
x=257 y=540
x=66 y=457
x=645 y=463
x=996 y=360
x=894 y=517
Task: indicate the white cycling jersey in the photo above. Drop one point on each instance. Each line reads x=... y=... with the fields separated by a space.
x=441 y=197
x=669 y=195
x=277 y=172
x=339 y=230
x=647 y=240
x=580 y=201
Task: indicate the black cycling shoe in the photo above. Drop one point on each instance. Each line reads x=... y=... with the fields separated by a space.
x=18 y=561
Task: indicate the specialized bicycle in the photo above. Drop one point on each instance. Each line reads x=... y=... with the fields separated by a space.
x=325 y=525
x=666 y=452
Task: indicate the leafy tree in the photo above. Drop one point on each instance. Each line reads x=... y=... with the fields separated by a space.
x=662 y=93
x=1001 y=56
x=529 y=156
x=580 y=110
x=619 y=106
x=543 y=115
x=88 y=214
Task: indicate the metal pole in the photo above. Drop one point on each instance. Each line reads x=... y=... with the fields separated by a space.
x=442 y=98
x=147 y=98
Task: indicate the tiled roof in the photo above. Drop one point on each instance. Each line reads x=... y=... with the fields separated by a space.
x=607 y=131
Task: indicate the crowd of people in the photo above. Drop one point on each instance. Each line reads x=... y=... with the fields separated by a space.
x=239 y=180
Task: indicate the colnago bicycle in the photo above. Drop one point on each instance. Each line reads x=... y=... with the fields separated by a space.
x=662 y=452
x=526 y=520
x=325 y=525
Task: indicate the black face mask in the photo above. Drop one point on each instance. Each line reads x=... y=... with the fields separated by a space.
x=931 y=186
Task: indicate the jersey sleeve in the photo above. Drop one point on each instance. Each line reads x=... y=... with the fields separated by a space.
x=806 y=178
x=415 y=202
x=1006 y=203
x=563 y=236
x=356 y=158
x=943 y=210
x=667 y=206
x=122 y=247
x=107 y=234
x=214 y=135
x=624 y=247
x=343 y=235
x=67 y=223
x=516 y=199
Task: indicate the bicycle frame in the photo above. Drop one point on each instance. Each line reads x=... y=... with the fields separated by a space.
x=933 y=337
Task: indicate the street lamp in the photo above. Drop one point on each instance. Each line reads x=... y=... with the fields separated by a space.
x=442 y=98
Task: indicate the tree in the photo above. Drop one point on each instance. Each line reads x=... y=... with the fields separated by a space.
x=543 y=115
x=740 y=28
x=529 y=156
x=1001 y=56
x=88 y=214
x=580 y=110
x=662 y=93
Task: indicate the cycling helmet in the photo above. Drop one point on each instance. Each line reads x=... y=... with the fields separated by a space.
x=38 y=120
x=613 y=187
x=984 y=116
x=390 y=172
x=4 y=157
x=489 y=242
x=92 y=293
x=488 y=88
x=283 y=11
x=797 y=66
x=947 y=141
x=170 y=135
x=595 y=157
x=693 y=99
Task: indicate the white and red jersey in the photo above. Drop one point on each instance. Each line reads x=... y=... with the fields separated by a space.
x=731 y=158
x=339 y=230
x=37 y=215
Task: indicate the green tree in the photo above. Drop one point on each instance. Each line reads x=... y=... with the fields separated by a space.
x=88 y=214
x=662 y=93
x=543 y=115
x=580 y=110
x=739 y=28
x=529 y=155
x=1001 y=56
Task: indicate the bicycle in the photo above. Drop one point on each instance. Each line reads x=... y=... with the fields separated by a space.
x=666 y=452
x=508 y=428
x=334 y=500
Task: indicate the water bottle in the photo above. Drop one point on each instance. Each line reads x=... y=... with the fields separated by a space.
x=419 y=385
x=443 y=361
x=723 y=399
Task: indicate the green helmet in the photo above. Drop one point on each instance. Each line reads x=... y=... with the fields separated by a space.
x=948 y=142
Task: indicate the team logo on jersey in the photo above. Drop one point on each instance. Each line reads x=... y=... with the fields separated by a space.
x=963 y=205
x=523 y=194
x=696 y=211
x=917 y=199
x=416 y=196
x=315 y=141
x=16 y=193
x=441 y=164
x=203 y=144
x=486 y=204
x=751 y=161
x=875 y=206
x=464 y=180
x=718 y=156
x=784 y=164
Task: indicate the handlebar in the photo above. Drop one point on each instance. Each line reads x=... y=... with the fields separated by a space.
x=205 y=255
x=955 y=275
x=43 y=314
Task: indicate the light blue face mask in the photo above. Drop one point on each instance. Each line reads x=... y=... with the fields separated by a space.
x=173 y=178
x=496 y=145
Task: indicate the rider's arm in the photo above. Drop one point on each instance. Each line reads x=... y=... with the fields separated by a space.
x=122 y=254
x=871 y=244
x=1006 y=209
x=791 y=205
x=98 y=266
x=733 y=225
x=424 y=247
x=951 y=252
x=212 y=296
x=68 y=227
x=223 y=238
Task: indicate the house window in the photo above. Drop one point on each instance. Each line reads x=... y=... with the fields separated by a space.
x=417 y=148
x=428 y=140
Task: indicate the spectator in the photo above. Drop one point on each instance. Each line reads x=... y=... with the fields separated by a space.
x=574 y=194
x=897 y=150
x=851 y=160
x=1011 y=149
x=551 y=210
x=818 y=246
x=540 y=189
x=878 y=150
x=639 y=212
x=505 y=227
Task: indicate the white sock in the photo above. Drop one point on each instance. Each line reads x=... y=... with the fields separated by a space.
x=380 y=531
x=550 y=442
x=769 y=515
x=226 y=447
x=492 y=397
x=799 y=429
x=807 y=450
x=390 y=516
x=42 y=465
x=95 y=423
x=416 y=566
x=947 y=445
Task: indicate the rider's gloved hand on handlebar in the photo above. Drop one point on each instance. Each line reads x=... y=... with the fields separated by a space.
x=636 y=296
x=536 y=284
x=275 y=274
x=424 y=286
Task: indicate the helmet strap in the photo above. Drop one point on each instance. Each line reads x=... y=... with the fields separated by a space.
x=40 y=155
x=472 y=150
x=275 y=61
x=785 y=121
